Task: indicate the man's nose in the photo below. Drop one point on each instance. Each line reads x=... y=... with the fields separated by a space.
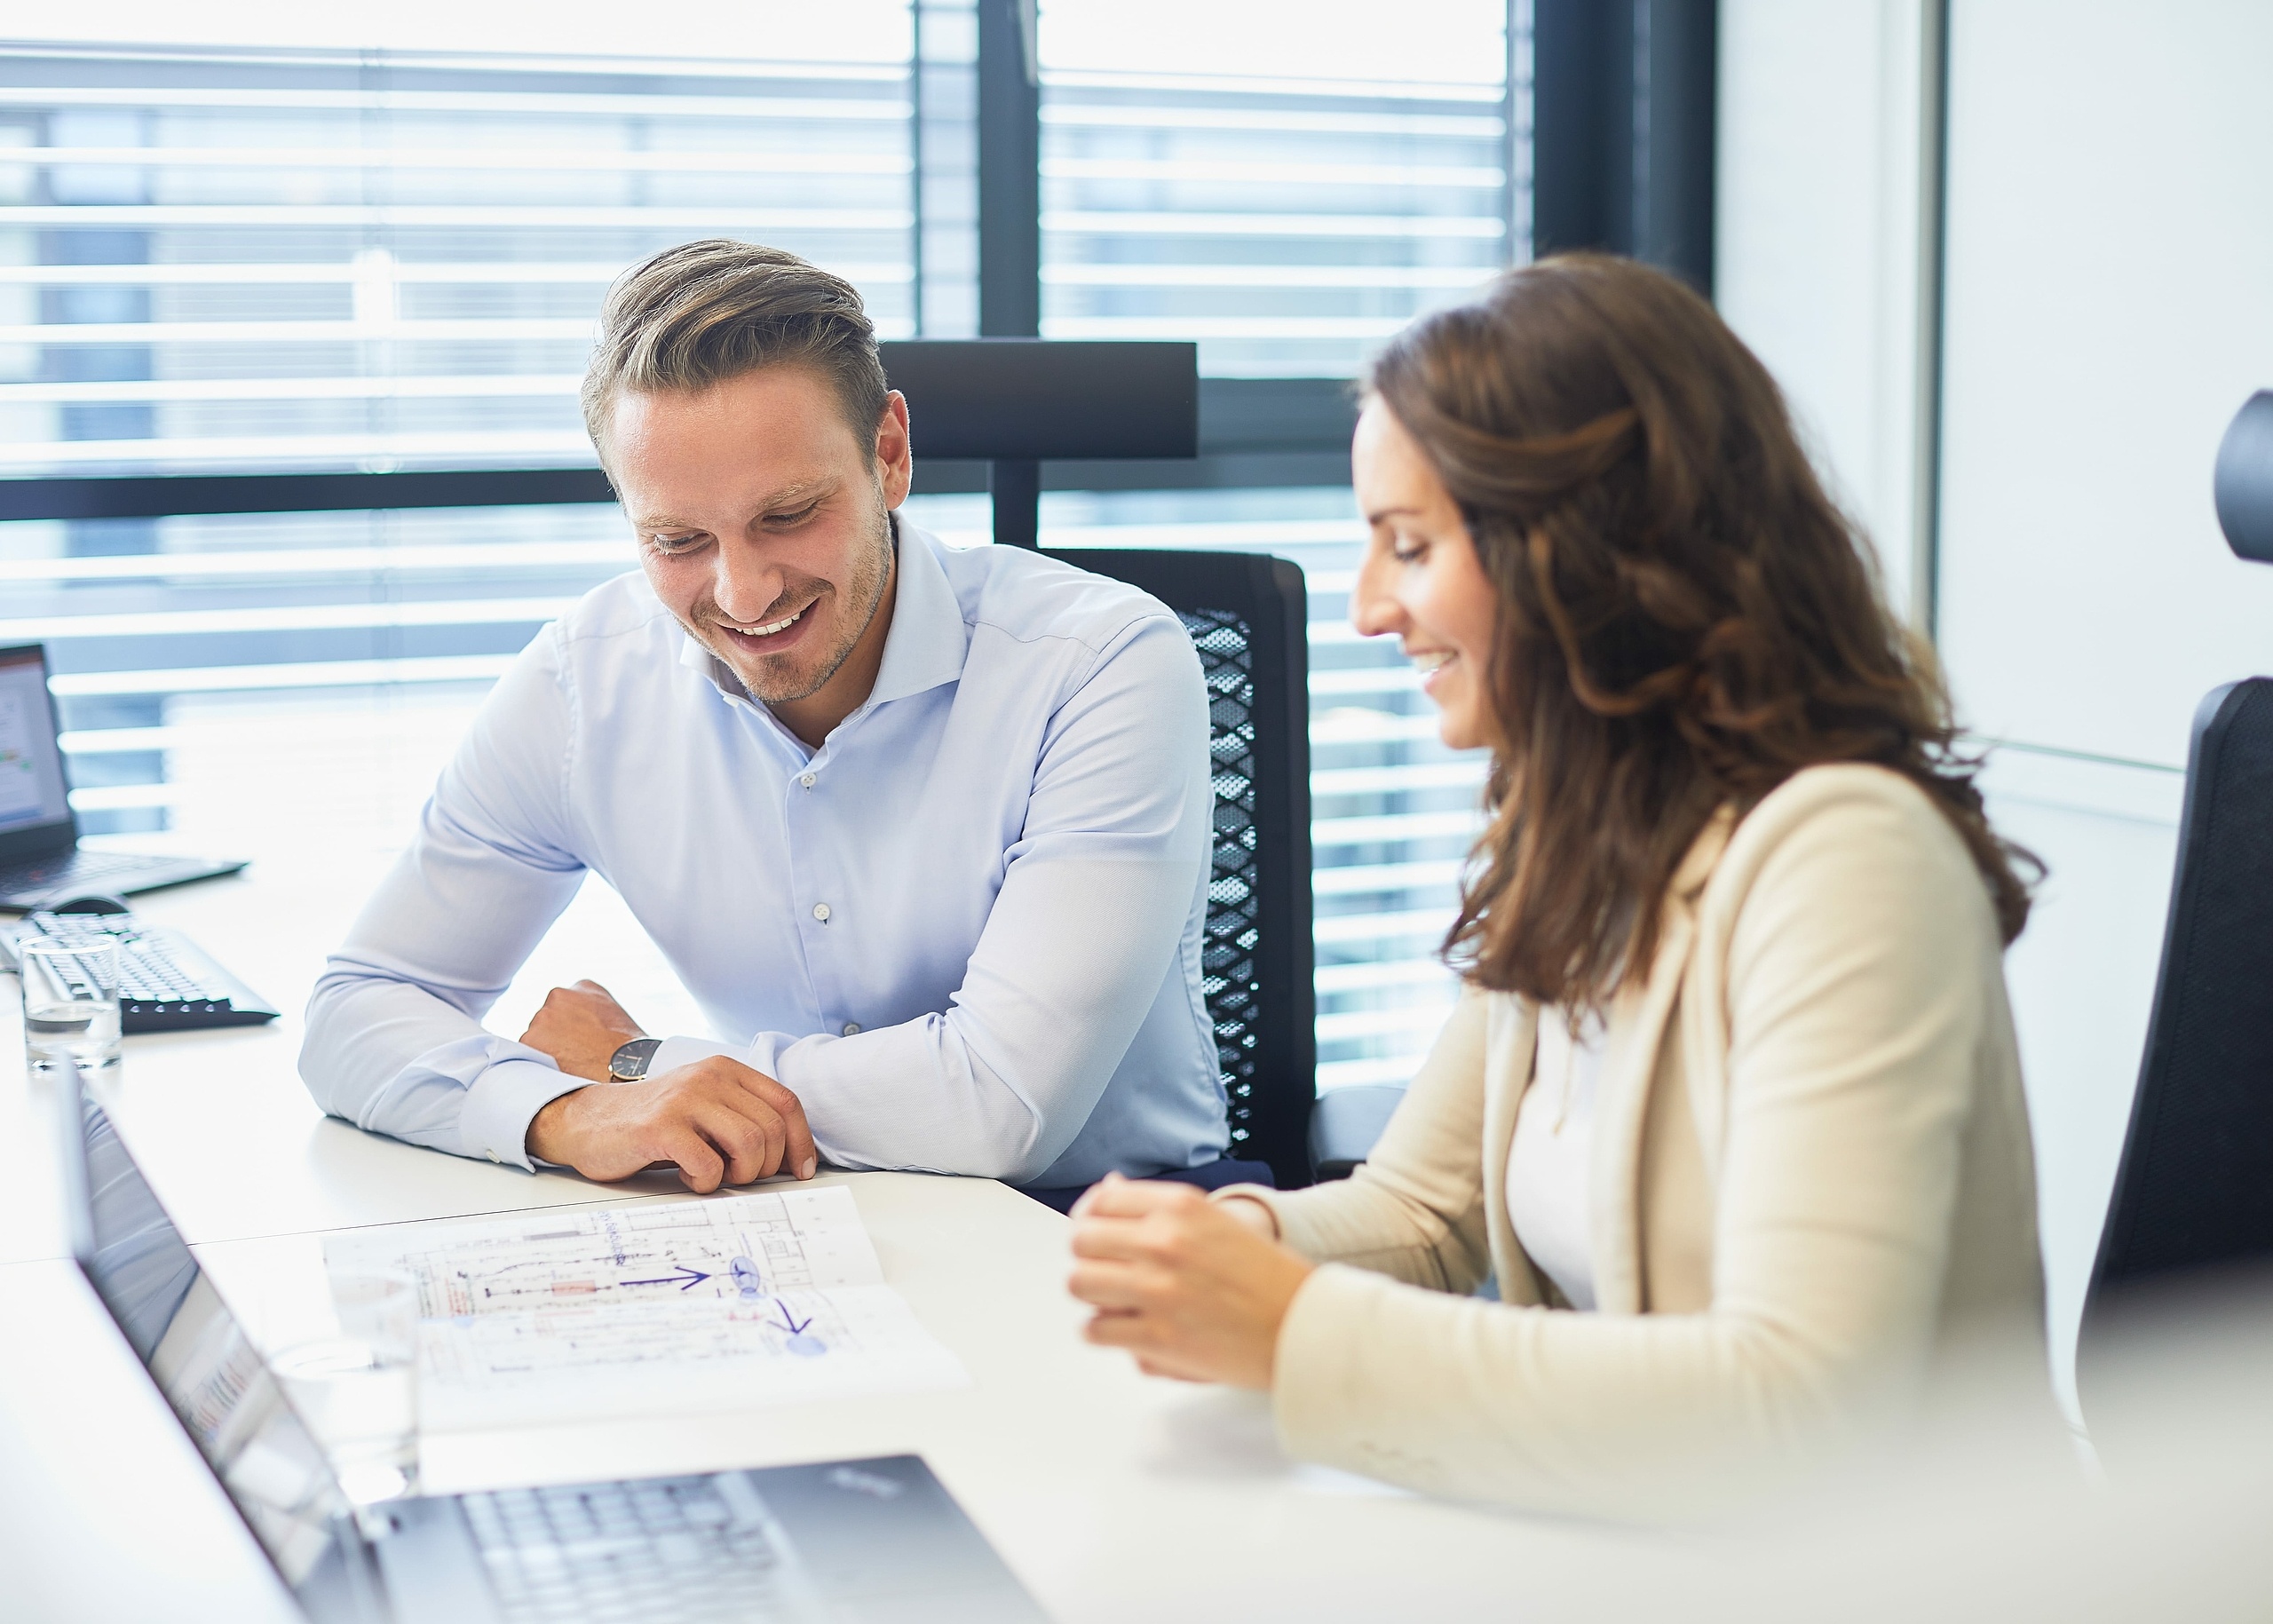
x=745 y=585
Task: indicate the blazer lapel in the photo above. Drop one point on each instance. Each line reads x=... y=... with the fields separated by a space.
x=1705 y=1021
x=1636 y=1039
x=1510 y=1052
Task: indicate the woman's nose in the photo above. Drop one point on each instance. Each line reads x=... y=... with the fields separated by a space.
x=1374 y=609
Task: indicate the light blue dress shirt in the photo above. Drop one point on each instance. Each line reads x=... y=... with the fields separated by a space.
x=965 y=932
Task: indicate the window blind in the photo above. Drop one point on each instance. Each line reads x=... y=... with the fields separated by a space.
x=228 y=260
x=237 y=260
x=1289 y=209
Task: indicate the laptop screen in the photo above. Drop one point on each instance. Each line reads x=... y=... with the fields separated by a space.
x=32 y=791
x=198 y=1354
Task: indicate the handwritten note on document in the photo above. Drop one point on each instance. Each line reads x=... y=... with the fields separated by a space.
x=664 y=1307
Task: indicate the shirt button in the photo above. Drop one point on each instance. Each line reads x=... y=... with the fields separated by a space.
x=851 y=1029
x=807 y=780
x=493 y=1157
x=820 y=912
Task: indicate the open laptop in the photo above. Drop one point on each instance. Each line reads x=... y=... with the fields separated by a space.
x=40 y=859
x=874 y=1540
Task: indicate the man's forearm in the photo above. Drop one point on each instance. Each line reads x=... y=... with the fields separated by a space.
x=394 y=1038
x=392 y=1057
x=581 y=1028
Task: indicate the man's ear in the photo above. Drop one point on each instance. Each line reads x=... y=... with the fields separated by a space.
x=895 y=451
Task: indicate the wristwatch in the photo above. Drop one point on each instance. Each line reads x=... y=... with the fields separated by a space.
x=630 y=1063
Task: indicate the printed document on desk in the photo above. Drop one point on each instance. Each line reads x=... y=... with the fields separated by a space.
x=661 y=1307
x=731 y=1249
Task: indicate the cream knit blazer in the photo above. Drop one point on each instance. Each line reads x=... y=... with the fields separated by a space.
x=1814 y=1204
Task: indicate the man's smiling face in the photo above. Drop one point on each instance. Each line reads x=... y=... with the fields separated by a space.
x=764 y=524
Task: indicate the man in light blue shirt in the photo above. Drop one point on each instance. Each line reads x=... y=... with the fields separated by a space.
x=925 y=832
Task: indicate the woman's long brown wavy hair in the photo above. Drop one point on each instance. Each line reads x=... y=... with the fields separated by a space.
x=1685 y=618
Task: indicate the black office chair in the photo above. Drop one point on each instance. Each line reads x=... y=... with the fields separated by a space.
x=2194 y=1192
x=2196 y=1184
x=1016 y=403
x=1247 y=615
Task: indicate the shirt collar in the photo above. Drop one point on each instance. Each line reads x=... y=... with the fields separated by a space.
x=928 y=642
x=925 y=647
x=695 y=657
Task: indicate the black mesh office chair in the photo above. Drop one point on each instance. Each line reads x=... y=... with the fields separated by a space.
x=2194 y=1191
x=1245 y=613
x=2195 y=1188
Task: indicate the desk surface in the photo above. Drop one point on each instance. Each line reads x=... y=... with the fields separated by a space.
x=1112 y=1495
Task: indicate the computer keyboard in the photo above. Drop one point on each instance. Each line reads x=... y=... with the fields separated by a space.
x=692 y=1549
x=165 y=983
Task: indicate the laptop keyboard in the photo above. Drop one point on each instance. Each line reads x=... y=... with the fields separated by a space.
x=694 y=1549
x=79 y=868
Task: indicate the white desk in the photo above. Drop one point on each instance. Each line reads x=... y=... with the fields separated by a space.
x=1113 y=1496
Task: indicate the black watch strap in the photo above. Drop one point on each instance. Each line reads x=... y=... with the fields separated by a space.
x=630 y=1063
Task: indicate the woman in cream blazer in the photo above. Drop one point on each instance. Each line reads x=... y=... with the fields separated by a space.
x=1806 y=1204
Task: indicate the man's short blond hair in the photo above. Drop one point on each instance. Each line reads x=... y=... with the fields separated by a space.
x=704 y=313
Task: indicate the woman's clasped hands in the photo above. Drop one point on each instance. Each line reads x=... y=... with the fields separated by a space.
x=1196 y=1289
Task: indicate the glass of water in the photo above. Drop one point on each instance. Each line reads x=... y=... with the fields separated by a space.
x=70 y=1009
x=358 y=1392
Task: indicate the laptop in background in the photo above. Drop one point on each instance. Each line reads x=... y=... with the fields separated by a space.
x=40 y=858
x=875 y=1540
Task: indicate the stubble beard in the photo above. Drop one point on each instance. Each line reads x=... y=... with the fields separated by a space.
x=770 y=680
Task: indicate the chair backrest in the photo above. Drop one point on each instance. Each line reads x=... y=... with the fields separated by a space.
x=1015 y=401
x=1247 y=615
x=2195 y=1188
x=1032 y=398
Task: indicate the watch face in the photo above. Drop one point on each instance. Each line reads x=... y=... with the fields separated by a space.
x=629 y=1064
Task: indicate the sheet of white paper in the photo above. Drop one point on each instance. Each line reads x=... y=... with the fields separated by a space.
x=740 y=1249
x=666 y=1308
x=643 y=1359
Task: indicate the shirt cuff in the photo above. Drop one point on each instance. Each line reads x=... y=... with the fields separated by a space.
x=686 y=1051
x=503 y=1102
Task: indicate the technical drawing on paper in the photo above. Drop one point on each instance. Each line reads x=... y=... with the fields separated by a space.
x=744 y=1250
x=703 y=1355
x=655 y=1308
x=796 y=1326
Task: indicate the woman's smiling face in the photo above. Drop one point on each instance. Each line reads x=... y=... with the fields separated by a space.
x=1420 y=579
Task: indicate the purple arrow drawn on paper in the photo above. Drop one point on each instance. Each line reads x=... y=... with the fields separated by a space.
x=683 y=1280
x=790 y=1321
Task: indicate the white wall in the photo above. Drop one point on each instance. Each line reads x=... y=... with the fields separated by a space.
x=2109 y=305
x=1817 y=262
x=2082 y=979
